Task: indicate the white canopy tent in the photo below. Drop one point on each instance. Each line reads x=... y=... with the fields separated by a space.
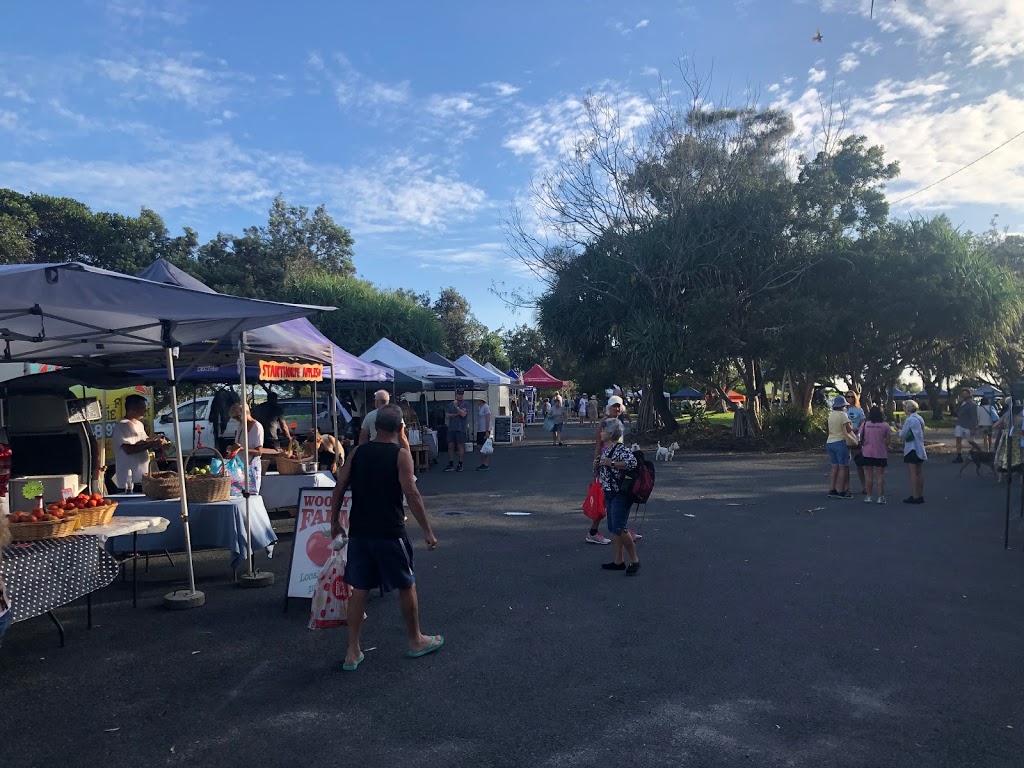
x=390 y=354
x=497 y=384
x=72 y=313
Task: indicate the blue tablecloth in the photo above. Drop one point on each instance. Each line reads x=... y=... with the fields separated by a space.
x=220 y=525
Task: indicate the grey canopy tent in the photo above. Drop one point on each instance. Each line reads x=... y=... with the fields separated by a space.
x=68 y=314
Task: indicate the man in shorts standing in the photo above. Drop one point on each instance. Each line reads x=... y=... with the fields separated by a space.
x=966 y=423
x=379 y=551
x=455 y=416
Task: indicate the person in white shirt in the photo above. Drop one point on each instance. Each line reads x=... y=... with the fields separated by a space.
x=368 y=430
x=987 y=417
x=132 y=444
x=483 y=420
x=255 y=434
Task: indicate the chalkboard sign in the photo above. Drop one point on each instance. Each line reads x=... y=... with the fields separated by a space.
x=503 y=429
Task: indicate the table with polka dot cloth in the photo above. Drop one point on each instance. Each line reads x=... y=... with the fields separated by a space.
x=43 y=575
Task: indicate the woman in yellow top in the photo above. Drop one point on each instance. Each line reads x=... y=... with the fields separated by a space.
x=838 y=451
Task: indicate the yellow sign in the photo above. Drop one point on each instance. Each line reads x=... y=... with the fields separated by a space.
x=271 y=371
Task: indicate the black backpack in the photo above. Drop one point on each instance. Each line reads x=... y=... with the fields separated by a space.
x=638 y=484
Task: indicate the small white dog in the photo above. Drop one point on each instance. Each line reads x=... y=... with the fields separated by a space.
x=634 y=447
x=666 y=453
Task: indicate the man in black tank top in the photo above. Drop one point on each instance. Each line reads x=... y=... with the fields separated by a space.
x=379 y=551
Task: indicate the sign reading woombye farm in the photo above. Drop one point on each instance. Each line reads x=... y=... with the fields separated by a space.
x=273 y=371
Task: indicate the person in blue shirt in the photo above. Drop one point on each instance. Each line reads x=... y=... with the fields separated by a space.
x=857 y=417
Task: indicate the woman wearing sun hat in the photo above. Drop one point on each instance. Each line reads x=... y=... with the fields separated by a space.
x=838 y=451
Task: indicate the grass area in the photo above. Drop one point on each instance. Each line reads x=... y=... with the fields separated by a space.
x=718 y=419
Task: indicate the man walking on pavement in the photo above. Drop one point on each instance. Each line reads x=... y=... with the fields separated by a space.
x=455 y=416
x=966 y=423
x=379 y=551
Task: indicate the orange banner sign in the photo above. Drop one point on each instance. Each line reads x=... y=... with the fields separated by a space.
x=271 y=371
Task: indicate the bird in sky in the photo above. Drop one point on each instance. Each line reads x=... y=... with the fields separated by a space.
x=817 y=36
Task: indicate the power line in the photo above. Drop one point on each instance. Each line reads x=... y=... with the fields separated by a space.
x=954 y=173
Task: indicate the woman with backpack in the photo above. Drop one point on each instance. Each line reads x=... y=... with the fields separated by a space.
x=613 y=463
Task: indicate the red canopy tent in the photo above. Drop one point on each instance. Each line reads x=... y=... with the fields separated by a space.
x=541 y=379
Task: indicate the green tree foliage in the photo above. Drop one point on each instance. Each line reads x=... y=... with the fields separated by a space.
x=492 y=350
x=525 y=347
x=463 y=333
x=365 y=313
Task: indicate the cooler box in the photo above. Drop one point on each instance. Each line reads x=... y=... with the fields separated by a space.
x=55 y=488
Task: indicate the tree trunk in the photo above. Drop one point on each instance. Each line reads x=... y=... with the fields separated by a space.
x=803 y=390
x=934 y=404
x=752 y=383
x=654 y=408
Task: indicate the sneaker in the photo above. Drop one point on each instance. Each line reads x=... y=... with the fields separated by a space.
x=597 y=538
x=881 y=500
x=449 y=468
x=910 y=500
x=959 y=459
x=867 y=499
x=483 y=468
x=614 y=566
x=632 y=568
x=459 y=468
x=833 y=492
x=846 y=495
x=635 y=536
x=918 y=500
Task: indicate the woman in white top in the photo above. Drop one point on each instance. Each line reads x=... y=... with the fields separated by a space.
x=914 y=454
x=254 y=432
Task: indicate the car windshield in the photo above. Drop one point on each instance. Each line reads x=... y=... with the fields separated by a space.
x=192 y=411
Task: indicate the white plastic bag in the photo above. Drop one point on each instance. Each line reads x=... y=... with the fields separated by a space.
x=488 y=447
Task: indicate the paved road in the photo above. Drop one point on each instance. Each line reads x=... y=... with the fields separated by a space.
x=769 y=626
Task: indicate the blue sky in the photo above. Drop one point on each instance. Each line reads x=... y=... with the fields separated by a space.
x=420 y=124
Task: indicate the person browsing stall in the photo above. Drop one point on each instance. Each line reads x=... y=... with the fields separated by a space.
x=132 y=445
x=379 y=551
x=368 y=430
x=455 y=416
x=483 y=420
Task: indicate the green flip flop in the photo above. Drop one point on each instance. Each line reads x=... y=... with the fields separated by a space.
x=436 y=641
x=355 y=665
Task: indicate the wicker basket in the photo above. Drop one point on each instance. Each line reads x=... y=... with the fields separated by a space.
x=96 y=515
x=289 y=466
x=204 y=489
x=44 y=529
x=161 y=485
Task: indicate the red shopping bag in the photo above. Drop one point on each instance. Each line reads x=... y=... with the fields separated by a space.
x=593 y=505
x=330 y=600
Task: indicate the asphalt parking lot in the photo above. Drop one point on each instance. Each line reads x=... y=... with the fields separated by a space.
x=769 y=626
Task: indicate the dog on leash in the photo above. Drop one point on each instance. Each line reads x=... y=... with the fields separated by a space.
x=666 y=453
x=979 y=458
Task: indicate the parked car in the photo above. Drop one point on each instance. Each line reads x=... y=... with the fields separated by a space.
x=191 y=414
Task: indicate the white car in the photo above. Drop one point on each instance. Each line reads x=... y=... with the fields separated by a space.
x=191 y=414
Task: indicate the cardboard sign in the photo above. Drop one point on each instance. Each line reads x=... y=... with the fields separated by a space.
x=271 y=371
x=312 y=545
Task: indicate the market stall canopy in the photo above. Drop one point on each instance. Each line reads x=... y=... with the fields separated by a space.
x=485 y=372
x=479 y=383
x=541 y=379
x=986 y=390
x=298 y=338
x=386 y=352
x=899 y=394
x=67 y=313
x=65 y=378
x=687 y=393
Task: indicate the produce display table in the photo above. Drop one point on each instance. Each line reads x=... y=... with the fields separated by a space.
x=220 y=525
x=282 y=491
x=43 y=575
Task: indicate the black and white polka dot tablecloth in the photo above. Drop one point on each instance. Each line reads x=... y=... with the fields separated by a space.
x=43 y=575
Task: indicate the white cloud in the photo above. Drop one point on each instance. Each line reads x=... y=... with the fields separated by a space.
x=626 y=29
x=816 y=75
x=848 y=62
x=650 y=72
x=181 y=79
x=868 y=47
x=8 y=120
x=642 y=23
x=137 y=12
x=504 y=90
x=480 y=258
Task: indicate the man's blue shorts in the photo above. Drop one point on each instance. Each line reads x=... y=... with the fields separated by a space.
x=385 y=563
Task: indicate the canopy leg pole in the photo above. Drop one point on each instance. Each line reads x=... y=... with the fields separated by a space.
x=252 y=577
x=193 y=598
x=334 y=411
